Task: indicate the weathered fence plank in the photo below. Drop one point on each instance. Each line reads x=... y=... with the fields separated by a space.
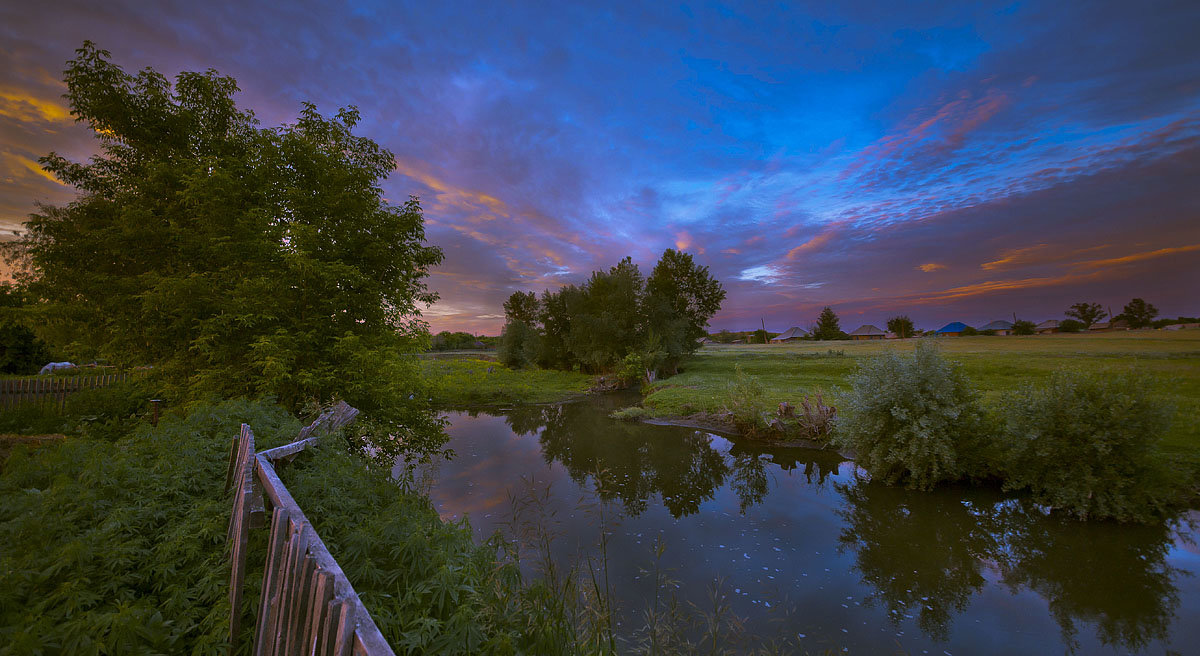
x=238 y=538
x=308 y=605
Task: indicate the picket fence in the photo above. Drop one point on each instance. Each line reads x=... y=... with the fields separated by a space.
x=51 y=390
x=308 y=606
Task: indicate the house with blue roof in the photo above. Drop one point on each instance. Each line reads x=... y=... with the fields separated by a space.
x=953 y=329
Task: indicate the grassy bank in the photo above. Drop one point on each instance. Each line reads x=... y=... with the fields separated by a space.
x=473 y=381
x=995 y=365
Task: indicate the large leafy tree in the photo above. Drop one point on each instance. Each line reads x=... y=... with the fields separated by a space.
x=681 y=296
x=1086 y=313
x=1138 y=313
x=235 y=259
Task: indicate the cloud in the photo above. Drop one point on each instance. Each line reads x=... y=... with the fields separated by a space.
x=930 y=267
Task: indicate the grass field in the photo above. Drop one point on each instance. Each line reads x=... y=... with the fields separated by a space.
x=467 y=380
x=994 y=365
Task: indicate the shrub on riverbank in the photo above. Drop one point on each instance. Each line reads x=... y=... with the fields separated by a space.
x=913 y=419
x=1088 y=445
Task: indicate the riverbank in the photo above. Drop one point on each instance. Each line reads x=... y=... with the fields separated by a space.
x=469 y=380
x=995 y=365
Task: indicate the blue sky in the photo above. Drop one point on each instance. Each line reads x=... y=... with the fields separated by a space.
x=951 y=161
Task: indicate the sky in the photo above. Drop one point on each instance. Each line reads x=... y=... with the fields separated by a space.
x=946 y=160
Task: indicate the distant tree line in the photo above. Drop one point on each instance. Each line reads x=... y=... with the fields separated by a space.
x=617 y=321
x=460 y=341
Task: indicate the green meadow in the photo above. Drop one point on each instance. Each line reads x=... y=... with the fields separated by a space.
x=470 y=380
x=995 y=365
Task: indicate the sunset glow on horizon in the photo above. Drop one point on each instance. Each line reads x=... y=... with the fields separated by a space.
x=948 y=162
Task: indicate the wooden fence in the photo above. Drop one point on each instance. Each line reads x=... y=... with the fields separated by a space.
x=308 y=606
x=51 y=390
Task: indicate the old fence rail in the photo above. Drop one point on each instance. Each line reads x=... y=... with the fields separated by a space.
x=308 y=605
x=51 y=390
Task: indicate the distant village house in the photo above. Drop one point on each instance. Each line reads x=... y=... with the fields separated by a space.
x=1047 y=327
x=999 y=327
x=793 y=333
x=953 y=329
x=867 y=332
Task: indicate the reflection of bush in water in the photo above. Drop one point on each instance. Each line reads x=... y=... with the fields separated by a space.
x=1114 y=576
x=921 y=553
x=635 y=461
x=924 y=555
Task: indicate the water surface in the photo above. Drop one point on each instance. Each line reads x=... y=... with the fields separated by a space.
x=808 y=551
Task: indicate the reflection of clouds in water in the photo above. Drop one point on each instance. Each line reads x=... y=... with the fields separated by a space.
x=797 y=529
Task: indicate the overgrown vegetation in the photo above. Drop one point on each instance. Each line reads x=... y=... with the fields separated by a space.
x=119 y=547
x=105 y=412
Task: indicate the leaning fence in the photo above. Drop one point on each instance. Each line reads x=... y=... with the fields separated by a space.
x=308 y=605
x=51 y=390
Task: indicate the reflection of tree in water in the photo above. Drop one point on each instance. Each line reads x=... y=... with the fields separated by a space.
x=749 y=479
x=634 y=461
x=681 y=465
x=818 y=465
x=1115 y=576
x=921 y=553
x=924 y=553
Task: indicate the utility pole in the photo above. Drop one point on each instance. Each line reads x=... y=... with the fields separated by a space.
x=764 y=326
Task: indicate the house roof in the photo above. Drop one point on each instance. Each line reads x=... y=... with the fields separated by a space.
x=791 y=333
x=867 y=329
x=954 y=327
x=1047 y=324
x=999 y=324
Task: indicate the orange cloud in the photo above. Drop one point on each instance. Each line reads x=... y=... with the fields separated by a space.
x=1015 y=257
x=1138 y=257
x=19 y=163
x=930 y=267
x=816 y=242
x=456 y=196
x=22 y=106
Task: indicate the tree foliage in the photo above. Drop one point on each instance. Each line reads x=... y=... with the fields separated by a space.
x=1088 y=313
x=1071 y=326
x=828 y=325
x=1024 y=327
x=21 y=352
x=235 y=259
x=1138 y=313
x=901 y=325
x=617 y=320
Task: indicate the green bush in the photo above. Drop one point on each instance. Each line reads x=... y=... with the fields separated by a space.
x=913 y=420
x=1088 y=445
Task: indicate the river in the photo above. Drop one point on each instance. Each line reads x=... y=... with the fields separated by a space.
x=810 y=554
